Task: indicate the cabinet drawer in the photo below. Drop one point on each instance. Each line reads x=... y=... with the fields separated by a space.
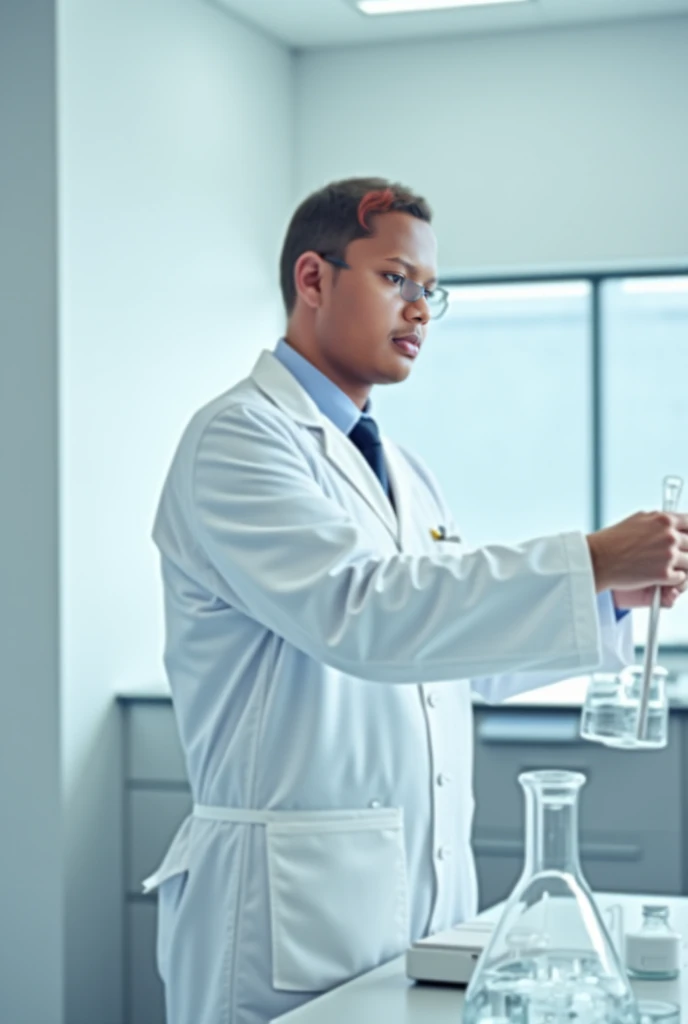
x=619 y=782
x=153 y=817
x=638 y=862
x=145 y=991
x=153 y=752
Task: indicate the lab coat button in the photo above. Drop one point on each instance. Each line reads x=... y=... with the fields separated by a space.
x=444 y=853
x=443 y=779
x=375 y=804
x=433 y=700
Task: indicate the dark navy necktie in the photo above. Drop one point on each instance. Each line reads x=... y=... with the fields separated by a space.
x=366 y=437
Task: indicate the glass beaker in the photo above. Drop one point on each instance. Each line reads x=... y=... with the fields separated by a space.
x=550 y=959
x=612 y=707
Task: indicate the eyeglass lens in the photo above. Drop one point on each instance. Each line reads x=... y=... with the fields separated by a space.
x=411 y=291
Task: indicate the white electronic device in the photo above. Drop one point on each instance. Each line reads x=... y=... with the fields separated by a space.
x=449 y=957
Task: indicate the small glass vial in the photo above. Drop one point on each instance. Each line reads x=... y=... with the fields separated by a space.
x=655 y=950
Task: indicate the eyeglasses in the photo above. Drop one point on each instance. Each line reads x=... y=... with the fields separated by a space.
x=437 y=299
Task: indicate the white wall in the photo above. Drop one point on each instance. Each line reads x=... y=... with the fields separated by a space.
x=31 y=852
x=176 y=184
x=534 y=149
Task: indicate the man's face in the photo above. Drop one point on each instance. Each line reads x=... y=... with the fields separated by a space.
x=366 y=332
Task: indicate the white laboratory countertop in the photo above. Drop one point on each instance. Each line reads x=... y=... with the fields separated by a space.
x=387 y=996
x=567 y=694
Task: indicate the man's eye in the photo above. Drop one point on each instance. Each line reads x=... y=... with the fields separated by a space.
x=395 y=278
x=429 y=292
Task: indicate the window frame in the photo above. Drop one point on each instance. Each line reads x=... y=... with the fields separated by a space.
x=596 y=279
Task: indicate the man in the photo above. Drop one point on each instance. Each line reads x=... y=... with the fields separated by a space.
x=325 y=628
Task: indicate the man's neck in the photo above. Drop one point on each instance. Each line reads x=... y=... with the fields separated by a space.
x=358 y=393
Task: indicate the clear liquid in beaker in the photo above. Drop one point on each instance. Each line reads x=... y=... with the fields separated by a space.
x=611 y=710
x=615 y=726
x=556 y=987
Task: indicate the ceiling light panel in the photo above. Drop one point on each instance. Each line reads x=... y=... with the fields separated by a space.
x=374 y=7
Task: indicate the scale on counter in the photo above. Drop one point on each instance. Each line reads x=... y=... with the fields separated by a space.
x=449 y=956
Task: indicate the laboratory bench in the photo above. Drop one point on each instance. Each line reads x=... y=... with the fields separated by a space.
x=630 y=841
x=386 y=996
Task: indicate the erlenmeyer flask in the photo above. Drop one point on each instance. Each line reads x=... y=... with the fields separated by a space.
x=550 y=959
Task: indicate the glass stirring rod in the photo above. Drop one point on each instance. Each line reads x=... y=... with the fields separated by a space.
x=672 y=486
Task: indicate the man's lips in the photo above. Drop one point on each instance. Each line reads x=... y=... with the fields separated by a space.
x=408 y=343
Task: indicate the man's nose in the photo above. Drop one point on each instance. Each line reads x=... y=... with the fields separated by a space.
x=417 y=312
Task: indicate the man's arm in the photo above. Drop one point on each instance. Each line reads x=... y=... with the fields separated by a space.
x=296 y=561
x=617 y=652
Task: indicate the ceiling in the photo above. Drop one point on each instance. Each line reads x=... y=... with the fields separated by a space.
x=307 y=23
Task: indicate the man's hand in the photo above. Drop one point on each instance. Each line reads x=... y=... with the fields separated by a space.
x=647 y=550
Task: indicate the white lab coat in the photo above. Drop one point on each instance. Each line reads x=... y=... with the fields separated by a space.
x=333 y=804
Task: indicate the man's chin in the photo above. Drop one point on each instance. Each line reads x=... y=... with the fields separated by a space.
x=398 y=371
x=390 y=371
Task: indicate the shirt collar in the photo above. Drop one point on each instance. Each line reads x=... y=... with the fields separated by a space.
x=330 y=400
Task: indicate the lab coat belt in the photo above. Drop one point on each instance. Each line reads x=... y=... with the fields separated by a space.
x=244 y=816
x=237 y=815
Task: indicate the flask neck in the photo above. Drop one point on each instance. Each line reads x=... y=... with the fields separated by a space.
x=551 y=829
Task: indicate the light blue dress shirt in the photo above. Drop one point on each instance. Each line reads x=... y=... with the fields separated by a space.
x=330 y=399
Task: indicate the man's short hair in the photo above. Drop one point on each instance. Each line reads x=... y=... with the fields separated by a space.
x=329 y=219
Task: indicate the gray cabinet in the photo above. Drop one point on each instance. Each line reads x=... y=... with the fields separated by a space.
x=145 y=1002
x=156 y=801
x=631 y=813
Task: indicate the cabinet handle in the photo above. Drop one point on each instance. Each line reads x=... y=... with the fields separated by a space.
x=528 y=727
x=611 y=851
x=590 y=851
x=497 y=848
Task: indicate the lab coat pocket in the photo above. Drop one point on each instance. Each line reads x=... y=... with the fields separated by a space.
x=338 y=896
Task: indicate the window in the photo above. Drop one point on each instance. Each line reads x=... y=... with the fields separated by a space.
x=644 y=332
x=545 y=405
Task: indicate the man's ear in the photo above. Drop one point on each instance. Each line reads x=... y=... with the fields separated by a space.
x=309 y=271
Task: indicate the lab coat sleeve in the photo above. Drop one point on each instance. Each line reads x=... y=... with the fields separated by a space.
x=297 y=562
x=617 y=652
x=616 y=636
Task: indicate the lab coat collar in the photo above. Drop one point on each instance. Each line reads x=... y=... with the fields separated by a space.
x=282 y=388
